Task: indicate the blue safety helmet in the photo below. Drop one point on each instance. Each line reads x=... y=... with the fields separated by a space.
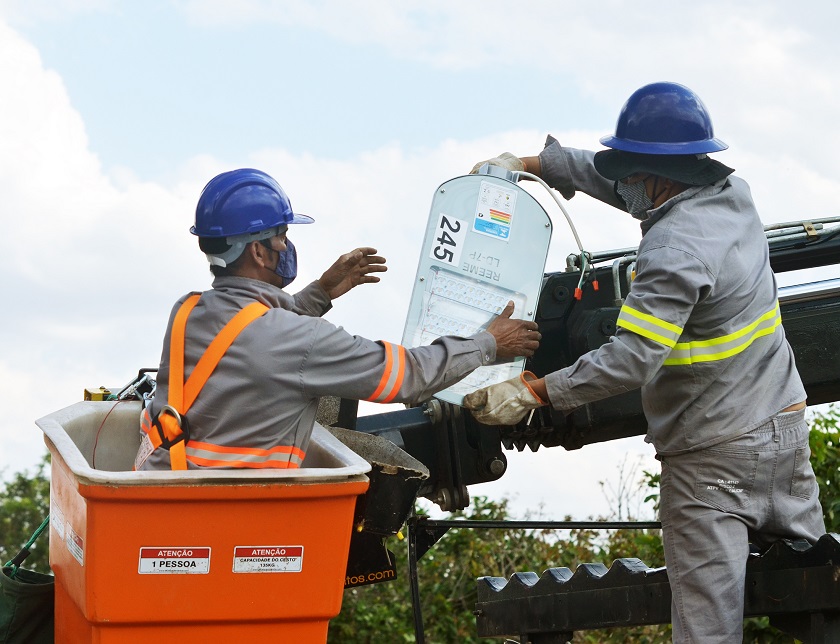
x=664 y=118
x=242 y=206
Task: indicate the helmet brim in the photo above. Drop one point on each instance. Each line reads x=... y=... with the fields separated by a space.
x=297 y=218
x=706 y=146
x=690 y=169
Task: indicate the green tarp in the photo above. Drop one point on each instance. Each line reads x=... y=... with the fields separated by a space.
x=26 y=607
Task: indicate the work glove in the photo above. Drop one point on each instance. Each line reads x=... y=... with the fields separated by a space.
x=505 y=160
x=505 y=403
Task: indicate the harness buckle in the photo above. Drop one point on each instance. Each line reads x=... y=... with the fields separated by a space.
x=183 y=425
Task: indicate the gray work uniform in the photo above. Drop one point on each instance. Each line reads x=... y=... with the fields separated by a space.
x=700 y=332
x=258 y=407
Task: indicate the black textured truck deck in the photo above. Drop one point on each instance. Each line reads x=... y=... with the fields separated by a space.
x=796 y=584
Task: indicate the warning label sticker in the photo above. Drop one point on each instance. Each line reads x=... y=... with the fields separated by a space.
x=57 y=518
x=75 y=544
x=268 y=559
x=494 y=210
x=174 y=560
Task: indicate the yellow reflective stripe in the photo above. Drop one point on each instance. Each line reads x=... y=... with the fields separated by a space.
x=648 y=326
x=645 y=333
x=728 y=345
x=653 y=320
x=774 y=313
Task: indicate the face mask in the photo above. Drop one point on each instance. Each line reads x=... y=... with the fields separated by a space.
x=635 y=198
x=287 y=264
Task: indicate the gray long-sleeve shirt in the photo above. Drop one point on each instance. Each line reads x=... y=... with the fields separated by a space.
x=700 y=331
x=264 y=393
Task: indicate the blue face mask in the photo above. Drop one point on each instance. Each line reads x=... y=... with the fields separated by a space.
x=287 y=264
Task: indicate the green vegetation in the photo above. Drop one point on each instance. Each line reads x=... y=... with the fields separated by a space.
x=24 y=504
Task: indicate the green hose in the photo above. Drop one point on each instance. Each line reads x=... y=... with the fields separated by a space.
x=15 y=562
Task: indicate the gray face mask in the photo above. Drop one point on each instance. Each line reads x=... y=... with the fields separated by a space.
x=635 y=198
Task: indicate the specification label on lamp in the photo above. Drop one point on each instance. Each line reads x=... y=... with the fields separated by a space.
x=172 y=560
x=494 y=210
x=268 y=559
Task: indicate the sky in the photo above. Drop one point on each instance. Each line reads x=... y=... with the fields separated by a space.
x=114 y=114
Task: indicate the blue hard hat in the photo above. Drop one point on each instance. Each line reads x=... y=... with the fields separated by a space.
x=243 y=202
x=664 y=118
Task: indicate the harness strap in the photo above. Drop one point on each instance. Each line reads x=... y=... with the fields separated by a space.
x=176 y=353
x=182 y=395
x=218 y=347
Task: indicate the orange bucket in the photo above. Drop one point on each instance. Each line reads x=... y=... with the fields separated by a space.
x=195 y=556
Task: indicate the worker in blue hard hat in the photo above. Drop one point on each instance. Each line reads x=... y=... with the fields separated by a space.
x=244 y=364
x=701 y=334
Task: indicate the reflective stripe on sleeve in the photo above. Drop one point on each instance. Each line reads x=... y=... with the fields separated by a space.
x=649 y=326
x=209 y=455
x=727 y=345
x=392 y=376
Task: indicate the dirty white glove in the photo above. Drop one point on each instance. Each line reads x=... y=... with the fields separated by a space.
x=505 y=403
x=505 y=160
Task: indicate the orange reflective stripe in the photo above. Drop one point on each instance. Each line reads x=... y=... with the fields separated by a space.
x=389 y=360
x=209 y=462
x=217 y=349
x=392 y=376
x=400 y=374
x=250 y=451
x=208 y=454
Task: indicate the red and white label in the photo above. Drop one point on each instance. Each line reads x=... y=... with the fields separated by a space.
x=267 y=558
x=75 y=544
x=174 y=560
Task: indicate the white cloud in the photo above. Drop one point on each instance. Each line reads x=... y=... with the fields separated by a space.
x=767 y=70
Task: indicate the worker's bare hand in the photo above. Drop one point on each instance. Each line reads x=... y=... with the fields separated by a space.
x=514 y=338
x=350 y=270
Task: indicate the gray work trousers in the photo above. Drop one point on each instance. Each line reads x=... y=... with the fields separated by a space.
x=759 y=487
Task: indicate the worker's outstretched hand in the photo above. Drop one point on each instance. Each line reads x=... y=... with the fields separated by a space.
x=505 y=403
x=514 y=338
x=350 y=270
x=505 y=160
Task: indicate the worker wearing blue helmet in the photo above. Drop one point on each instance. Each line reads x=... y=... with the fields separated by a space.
x=700 y=333
x=244 y=364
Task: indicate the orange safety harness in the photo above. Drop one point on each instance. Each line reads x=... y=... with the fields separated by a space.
x=171 y=423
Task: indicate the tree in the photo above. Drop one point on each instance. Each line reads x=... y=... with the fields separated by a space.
x=447 y=575
x=24 y=504
x=825 y=458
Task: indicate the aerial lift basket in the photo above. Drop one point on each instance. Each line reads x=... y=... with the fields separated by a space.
x=195 y=556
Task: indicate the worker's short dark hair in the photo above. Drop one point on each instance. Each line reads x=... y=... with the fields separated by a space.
x=217 y=246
